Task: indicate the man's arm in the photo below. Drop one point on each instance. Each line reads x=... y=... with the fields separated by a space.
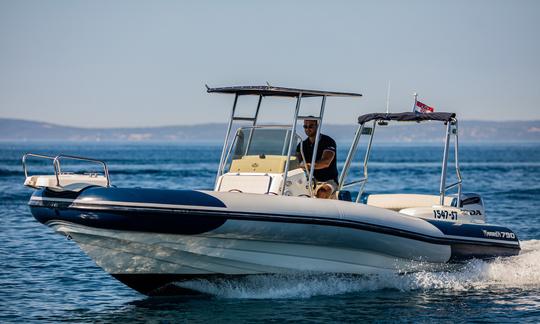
x=325 y=161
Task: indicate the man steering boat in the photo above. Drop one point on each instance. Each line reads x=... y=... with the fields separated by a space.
x=325 y=172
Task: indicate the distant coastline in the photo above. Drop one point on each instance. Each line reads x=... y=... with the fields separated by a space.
x=470 y=131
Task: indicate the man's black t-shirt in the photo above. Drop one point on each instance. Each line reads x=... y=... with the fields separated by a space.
x=326 y=143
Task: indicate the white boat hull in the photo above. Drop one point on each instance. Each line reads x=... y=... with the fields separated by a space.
x=147 y=245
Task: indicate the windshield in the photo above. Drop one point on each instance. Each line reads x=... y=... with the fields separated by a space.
x=267 y=141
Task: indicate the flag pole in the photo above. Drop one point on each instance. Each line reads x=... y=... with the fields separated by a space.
x=388 y=98
x=415 y=100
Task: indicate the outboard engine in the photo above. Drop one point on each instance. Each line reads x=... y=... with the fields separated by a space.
x=473 y=205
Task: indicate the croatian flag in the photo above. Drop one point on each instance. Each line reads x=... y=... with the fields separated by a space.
x=423 y=108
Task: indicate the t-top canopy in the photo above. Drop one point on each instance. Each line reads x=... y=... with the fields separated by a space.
x=407 y=116
x=279 y=92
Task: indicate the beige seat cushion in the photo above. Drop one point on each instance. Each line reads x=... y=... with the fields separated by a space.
x=268 y=164
x=401 y=201
x=73 y=182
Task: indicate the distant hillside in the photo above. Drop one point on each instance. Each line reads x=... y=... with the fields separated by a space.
x=470 y=131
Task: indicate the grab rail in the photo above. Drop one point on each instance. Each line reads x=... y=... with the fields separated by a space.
x=350 y=158
x=452 y=185
x=57 y=168
x=352 y=183
x=451 y=129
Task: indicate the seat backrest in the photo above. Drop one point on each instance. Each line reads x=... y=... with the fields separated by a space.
x=262 y=164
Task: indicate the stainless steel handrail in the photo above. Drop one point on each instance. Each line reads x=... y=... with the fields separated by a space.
x=316 y=147
x=350 y=184
x=224 y=150
x=305 y=168
x=233 y=143
x=26 y=155
x=287 y=126
x=350 y=157
x=366 y=159
x=443 y=187
x=451 y=129
x=456 y=157
x=254 y=122
x=444 y=164
x=291 y=138
x=452 y=185
x=56 y=164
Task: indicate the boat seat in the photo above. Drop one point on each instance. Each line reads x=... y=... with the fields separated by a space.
x=398 y=202
x=71 y=182
x=252 y=183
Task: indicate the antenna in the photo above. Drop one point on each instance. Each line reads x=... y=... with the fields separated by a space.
x=415 y=100
x=388 y=98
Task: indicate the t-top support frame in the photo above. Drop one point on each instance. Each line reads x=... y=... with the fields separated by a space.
x=451 y=129
x=293 y=125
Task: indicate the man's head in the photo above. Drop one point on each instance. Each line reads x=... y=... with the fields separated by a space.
x=310 y=127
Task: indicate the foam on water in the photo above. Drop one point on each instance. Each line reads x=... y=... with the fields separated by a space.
x=519 y=272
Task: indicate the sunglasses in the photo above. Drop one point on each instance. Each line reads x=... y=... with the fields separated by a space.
x=310 y=126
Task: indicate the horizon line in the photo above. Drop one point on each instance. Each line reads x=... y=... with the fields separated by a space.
x=209 y=123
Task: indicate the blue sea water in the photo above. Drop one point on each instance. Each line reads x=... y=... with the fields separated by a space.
x=45 y=277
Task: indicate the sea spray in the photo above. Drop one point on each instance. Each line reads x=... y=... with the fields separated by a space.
x=518 y=272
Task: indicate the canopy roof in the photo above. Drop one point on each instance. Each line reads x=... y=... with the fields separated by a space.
x=407 y=116
x=279 y=92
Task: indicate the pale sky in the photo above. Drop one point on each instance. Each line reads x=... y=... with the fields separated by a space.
x=145 y=63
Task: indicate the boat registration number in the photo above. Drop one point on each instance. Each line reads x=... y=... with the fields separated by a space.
x=445 y=214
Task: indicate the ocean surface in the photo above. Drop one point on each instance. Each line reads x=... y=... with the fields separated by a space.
x=45 y=277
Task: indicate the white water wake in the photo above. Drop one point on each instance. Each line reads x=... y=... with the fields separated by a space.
x=518 y=272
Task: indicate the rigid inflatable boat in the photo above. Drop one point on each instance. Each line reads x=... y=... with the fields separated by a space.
x=262 y=216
